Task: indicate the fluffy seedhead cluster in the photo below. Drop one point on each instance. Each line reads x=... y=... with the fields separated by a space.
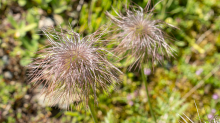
x=72 y=68
x=140 y=35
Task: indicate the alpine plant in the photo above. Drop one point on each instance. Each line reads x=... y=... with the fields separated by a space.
x=72 y=67
x=140 y=35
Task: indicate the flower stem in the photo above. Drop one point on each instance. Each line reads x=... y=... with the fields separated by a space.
x=144 y=78
x=92 y=110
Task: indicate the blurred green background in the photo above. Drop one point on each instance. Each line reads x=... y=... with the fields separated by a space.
x=175 y=86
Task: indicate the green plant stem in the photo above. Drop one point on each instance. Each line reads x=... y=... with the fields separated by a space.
x=144 y=78
x=92 y=110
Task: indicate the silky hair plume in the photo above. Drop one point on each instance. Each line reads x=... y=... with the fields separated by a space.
x=72 y=67
x=140 y=35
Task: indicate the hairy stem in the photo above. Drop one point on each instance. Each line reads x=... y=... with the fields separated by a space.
x=92 y=110
x=144 y=78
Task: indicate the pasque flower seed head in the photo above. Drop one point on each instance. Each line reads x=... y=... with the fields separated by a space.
x=140 y=35
x=72 y=67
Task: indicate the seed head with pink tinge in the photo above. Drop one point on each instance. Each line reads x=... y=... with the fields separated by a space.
x=140 y=35
x=72 y=67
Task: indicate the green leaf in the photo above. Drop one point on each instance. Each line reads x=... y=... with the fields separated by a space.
x=110 y=117
x=180 y=43
x=12 y=21
x=25 y=61
x=22 y=2
x=30 y=27
x=60 y=9
x=69 y=113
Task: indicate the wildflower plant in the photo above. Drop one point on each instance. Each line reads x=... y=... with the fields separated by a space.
x=142 y=37
x=72 y=67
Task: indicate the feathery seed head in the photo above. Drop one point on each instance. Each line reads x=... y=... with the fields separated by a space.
x=140 y=34
x=72 y=68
